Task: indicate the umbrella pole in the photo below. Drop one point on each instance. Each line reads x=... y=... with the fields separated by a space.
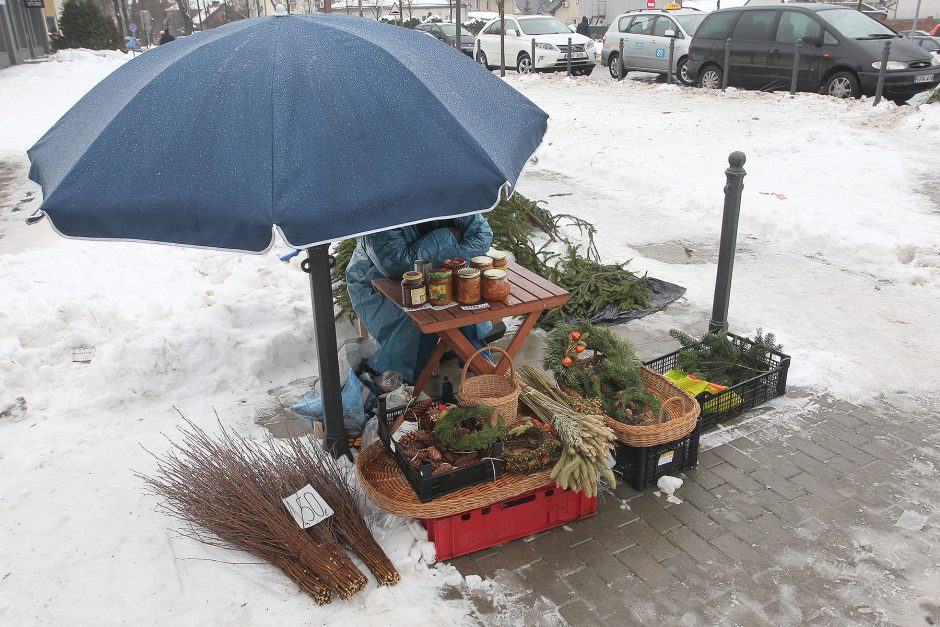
x=317 y=266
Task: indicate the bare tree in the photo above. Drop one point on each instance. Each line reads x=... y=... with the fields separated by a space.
x=186 y=16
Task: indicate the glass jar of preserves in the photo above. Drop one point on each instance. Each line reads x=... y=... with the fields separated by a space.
x=468 y=286
x=440 y=286
x=414 y=291
x=495 y=285
x=482 y=263
x=454 y=264
x=499 y=257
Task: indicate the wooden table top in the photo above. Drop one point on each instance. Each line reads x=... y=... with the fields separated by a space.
x=529 y=292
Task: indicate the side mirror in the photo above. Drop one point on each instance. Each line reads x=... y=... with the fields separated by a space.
x=812 y=40
x=670 y=33
x=511 y=32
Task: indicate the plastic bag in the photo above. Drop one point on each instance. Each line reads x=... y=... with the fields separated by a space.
x=355 y=396
x=370 y=433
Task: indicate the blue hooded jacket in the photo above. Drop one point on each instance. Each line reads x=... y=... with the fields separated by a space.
x=389 y=255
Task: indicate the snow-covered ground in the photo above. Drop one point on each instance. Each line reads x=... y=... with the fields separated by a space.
x=843 y=265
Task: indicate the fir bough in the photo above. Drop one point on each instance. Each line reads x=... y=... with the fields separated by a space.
x=718 y=359
x=467 y=429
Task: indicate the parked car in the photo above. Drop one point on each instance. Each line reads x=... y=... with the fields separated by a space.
x=841 y=52
x=646 y=36
x=930 y=44
x=913 y=33
x=447 y=32
x=551 y=45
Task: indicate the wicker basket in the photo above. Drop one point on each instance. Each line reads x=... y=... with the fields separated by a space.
x=492 y=390
x=682 y=411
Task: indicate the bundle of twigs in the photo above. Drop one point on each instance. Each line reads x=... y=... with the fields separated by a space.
x=319 y=469
x=224 y=488
x=586 y=439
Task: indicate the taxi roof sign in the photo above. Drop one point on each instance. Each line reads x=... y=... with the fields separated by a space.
x=672 y=6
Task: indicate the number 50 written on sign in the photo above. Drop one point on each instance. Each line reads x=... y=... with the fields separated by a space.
x=307 y=507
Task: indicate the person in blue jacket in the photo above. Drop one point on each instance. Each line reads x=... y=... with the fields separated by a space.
x=392 y=253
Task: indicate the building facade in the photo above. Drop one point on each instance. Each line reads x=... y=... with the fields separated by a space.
x=23 y=32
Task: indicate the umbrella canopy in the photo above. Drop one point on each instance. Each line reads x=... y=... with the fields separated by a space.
x=319 y=126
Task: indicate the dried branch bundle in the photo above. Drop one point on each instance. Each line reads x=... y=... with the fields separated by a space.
x=224 y=488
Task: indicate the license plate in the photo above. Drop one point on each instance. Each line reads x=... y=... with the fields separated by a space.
x=923 y=78
x=578 y=55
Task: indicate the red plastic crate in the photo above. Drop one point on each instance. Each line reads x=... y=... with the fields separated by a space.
x=514 y=518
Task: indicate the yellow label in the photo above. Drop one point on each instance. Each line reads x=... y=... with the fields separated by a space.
x=665 y=458
x=418 y=296
x=438 y=293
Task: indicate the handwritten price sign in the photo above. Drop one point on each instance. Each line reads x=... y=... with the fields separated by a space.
x=307 y=507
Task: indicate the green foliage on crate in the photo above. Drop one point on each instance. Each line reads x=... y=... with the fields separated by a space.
x=717 y=359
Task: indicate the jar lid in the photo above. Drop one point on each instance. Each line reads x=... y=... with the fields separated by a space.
x=440 y=273
x=468 y=273
x=412 y=276
x=496 y=254
x=494 y=274
x=455 y=261
x=482 y=260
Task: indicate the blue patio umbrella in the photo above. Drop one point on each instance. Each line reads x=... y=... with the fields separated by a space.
x=317 y=127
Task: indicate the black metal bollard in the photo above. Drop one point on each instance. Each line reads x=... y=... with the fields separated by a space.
x=796 y=65
x=620 y=62
x=724 y=75
x=672 y=53
x=729 y=237
x=881 y=72
x=533 y=54
x=569 y=56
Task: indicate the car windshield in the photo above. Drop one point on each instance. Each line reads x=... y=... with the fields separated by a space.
x=449 y=29
x=856 y=25
x=543 y=26
x=689 y=22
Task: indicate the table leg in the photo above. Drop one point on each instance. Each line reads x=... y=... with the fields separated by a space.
x=462 y=346
x=429 y=368
x=528 y=323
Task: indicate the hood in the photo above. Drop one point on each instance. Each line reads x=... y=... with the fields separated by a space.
x=560 y=39
x=901 y=50
x=467 y=38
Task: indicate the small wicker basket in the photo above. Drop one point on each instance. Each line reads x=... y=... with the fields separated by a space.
x=492 y=390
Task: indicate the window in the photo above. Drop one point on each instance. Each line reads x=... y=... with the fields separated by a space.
x=543 y=26
x=492 y=29
x=513 y=25
x=624 y=24
x=690 y=22
x=851 y=23
x=795 y=26
x=642 y=25
x=754 y=26
x=662 y=25
x=929 y=45
x=829 y=38
x=717 y=25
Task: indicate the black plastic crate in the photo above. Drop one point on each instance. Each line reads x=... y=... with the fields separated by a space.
x=426 y=485
x=641 y=467
x=746 y=395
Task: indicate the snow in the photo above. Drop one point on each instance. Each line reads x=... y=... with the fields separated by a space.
x=845 y=269
x=669 y=485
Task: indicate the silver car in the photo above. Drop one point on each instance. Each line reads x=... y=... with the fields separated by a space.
x=646 y=36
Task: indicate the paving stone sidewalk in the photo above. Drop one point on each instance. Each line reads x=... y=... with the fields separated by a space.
x=791 y=524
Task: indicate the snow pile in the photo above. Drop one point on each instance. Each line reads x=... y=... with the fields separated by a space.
x=926 y=118
x=668 y=485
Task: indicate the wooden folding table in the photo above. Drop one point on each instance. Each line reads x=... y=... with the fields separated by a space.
x=530 y=295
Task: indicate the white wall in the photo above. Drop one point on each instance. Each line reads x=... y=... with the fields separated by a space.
x=904 y=10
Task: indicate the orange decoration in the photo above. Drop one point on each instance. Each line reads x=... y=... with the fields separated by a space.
x=579 y=348
x=575 y=335
x=566 y=362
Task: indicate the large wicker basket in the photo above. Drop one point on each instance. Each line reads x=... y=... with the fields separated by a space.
x=677 y=415
x=492 y=390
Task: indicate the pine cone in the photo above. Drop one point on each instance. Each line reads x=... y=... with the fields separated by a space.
x=465 y=459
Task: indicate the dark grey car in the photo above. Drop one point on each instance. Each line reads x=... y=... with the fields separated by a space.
x=840 y=56
x=447 y=32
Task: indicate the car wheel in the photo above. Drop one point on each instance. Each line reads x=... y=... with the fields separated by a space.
x=682 y=72
x=613 y=64
x=842 y=85
x=481 y=59
x=524 y=64
x=711 y=77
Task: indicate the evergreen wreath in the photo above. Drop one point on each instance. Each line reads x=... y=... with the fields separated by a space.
x=611 y=374
x=529 y=448
x=467 y=428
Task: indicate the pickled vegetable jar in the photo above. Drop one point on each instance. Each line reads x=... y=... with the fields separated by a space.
x=468 y=286
x=499 y=257
x=482 y=263
x=440 y=286
x=413 y=289
x=495 y=285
